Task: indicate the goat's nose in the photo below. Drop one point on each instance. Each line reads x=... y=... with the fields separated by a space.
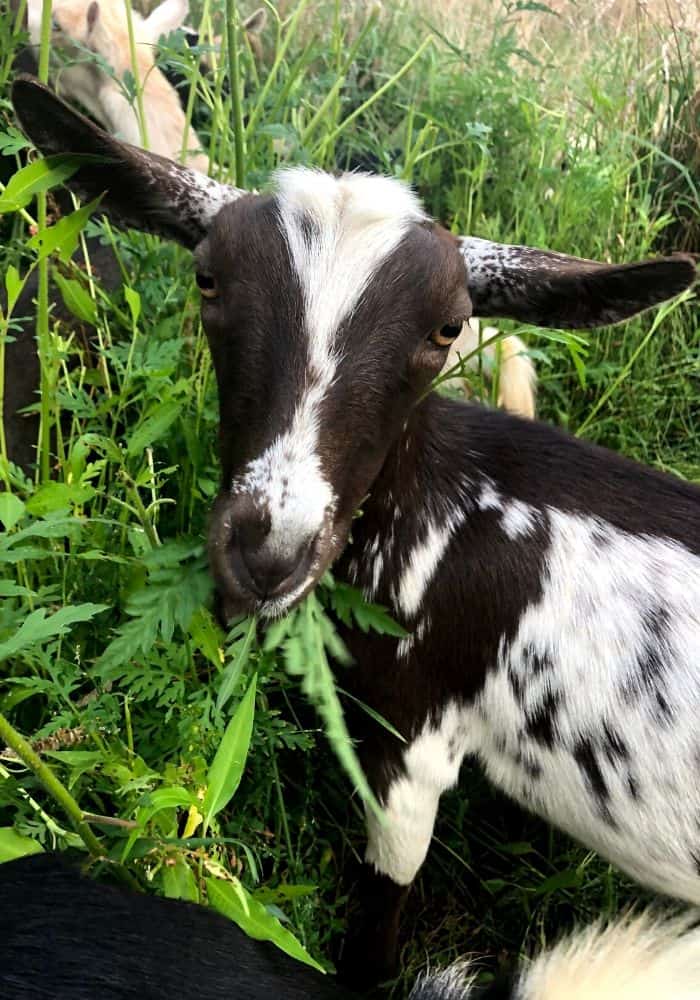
x=262 y=560
x=268 y=569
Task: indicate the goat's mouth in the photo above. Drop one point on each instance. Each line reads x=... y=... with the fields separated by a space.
x=248 y=584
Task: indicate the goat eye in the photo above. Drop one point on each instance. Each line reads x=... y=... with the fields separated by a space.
x=207 y=286
x=446 y=335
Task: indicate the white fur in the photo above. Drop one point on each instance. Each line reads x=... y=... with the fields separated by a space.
x=489 y=498
x=356 y=222
x=519 y=519
x=422 y=562
x=167 y=16
x=454 y=982
x=398 y=846
x=635 y=958
x=638 y=958
x=592 y=622
x=287 y=482
x=486 y=260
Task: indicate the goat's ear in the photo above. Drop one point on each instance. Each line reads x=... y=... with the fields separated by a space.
x=554 y=290
x=92 y=16
x=141 y=190
x=255 y=24
x=167 y=17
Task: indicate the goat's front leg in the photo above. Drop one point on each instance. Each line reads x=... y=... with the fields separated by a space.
x=396 y=848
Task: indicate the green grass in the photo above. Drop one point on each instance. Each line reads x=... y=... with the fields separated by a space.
x=129 y=693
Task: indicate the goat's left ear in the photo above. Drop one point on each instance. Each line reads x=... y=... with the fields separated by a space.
x=256 y=22
x=168 y=16
x=141 y=190
x=554 y=290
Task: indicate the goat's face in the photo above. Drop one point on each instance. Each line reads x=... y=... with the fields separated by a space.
x=329 y=308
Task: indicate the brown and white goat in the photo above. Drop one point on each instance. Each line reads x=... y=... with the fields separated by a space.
x=550 y=588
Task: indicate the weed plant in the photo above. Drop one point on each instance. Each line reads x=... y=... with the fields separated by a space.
x=111 y=662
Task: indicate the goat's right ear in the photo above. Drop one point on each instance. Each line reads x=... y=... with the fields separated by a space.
x=141 y=190
x=168 y=16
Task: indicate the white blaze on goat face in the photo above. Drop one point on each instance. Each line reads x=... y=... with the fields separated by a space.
x=338 y=231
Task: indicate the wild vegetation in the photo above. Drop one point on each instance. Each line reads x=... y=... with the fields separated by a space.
x=195 y=757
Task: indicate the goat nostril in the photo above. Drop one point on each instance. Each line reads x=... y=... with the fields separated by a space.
x=267 y=571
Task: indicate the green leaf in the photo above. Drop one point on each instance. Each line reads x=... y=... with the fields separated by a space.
x=172 y=797
x=14 y=845
x=58 y=496
x=179 y=881
x=348 y=601
x=38 y=626
x=78 y=762
x=24 y=552
x=36 y=177
x=153 y=427
x=11 y=510
x=233 y=672
x=568 y=879
x=226 y=769
x=133 y=300
x=10 y=589
x=377 y=618
x=517 y=848
x=76 y=298
x=311 y=633
x=13 y=287
x=374 y=715
x=236 y=903
x=268 y=894
x=207 y=636
x=63 y=235
x=12 y=141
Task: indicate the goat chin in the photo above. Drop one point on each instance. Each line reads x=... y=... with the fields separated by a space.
x=636 y=958
x=517 y=377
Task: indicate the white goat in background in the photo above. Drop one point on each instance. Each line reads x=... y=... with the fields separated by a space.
x=517 y=379
x=101 y=26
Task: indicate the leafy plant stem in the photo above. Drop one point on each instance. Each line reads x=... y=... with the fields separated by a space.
x=138 y=83
x=42 y=313
x=53 y=786
x=235 y=83
x=331 y=136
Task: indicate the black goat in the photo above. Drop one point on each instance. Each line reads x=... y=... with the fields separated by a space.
x=65 y=937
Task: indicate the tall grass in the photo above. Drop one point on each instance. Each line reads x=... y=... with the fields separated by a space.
x=110 y=659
